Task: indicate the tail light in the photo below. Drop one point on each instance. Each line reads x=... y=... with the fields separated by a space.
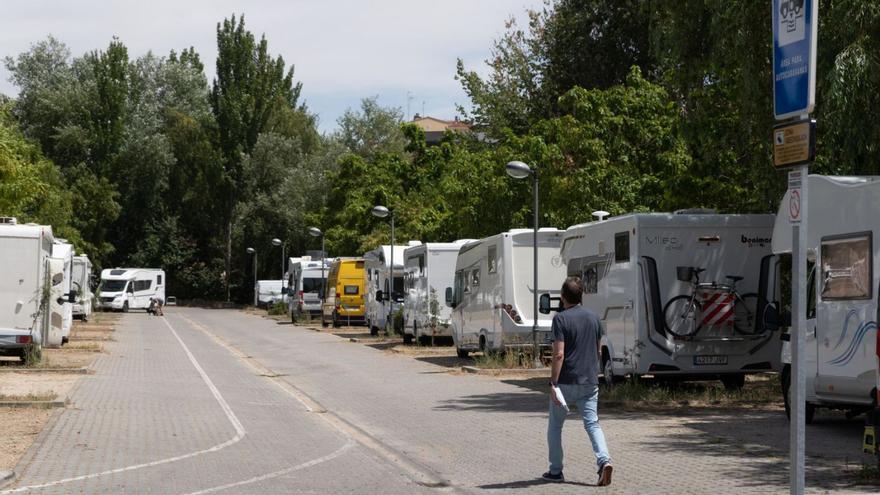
x=512 y=313
x=24 y=339
x=301 y=300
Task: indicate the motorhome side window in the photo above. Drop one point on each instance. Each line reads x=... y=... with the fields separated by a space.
x=591 y=279
x=493 y=259
x=158 y=279
x=621 y=247
x=846 y=267
x=475 y=278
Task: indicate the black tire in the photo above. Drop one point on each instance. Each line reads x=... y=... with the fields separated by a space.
x=125 y=307
x=461 y=353
x=407 y=339
x=809 y=412
x=336 y=322
x=734 y=382
x=607 y=371
x=680 y=316
x=745 y=314
x=293 y=317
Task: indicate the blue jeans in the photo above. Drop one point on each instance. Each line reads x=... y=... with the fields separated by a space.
x=587 y=398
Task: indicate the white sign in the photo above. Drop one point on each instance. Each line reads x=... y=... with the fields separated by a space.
x=794 y=197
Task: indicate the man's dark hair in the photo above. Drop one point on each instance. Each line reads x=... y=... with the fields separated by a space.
x=572 y=290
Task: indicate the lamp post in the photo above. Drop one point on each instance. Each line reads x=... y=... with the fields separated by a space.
x=316 y=232
x=520 y=170
x=277 y=242
x=253 y=251
x=382 y=212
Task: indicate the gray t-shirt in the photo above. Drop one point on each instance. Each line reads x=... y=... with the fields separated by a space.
x=580 y=329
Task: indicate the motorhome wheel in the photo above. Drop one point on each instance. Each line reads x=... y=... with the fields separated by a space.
x=336 y=322
x=809 y=411
x=607 y=369
x=125 y=307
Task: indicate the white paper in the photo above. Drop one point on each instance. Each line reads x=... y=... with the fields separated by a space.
x=560 y=398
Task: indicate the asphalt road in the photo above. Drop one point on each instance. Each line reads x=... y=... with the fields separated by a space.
x=218 y=401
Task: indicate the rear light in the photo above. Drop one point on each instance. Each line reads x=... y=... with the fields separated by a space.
x=24 y=339
x=510 y=312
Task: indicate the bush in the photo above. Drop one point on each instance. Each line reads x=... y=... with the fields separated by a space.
x=278 y=308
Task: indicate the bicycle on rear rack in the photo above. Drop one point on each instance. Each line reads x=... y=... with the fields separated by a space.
x=684 y=316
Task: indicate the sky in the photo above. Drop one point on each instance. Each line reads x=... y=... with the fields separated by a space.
x=403 y=51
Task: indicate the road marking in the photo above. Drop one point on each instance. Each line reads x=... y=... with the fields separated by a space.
x=233 y=419
x=329 y=457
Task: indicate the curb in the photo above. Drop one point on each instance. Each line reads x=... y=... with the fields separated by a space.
x=67 y=371
x=6 y=477
x=504 y=371
x=36 y=404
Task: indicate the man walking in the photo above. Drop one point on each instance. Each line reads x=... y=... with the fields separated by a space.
x=576 y=332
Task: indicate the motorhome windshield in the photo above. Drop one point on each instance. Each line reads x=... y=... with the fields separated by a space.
x=113 y=285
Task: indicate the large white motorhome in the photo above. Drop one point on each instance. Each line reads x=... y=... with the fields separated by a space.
x=305 y=282
x=429 y=270
x=26 y=323
x=843 y=282
x=123 y=289
x=82 y=284
x=679 y=293
x=492 y=298
x=381 y=299
x=63 y=251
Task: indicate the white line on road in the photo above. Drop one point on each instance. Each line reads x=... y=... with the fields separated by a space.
x=329 y=457
x=233 y=419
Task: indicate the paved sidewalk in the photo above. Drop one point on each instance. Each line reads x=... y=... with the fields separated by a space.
x=489 y=435
x=148 y=421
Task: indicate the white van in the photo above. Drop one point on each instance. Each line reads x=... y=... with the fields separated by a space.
x=639 y=273
x=63 y=251
x=429 y=270
x=123 y=289
x=381 y=299
x=82 y=284
x=269 y=292
x=25 y=287
x=843 y=280
x=305 y=281
x=492 y=298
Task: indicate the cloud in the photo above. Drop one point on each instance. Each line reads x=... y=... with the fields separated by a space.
x=343 y=50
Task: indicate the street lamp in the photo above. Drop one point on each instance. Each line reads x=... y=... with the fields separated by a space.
x=253 y=251
x=316 y=232
x=382 y=212
x=520 y=170
x=277 y=242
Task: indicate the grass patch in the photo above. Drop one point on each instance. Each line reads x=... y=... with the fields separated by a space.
x=40 y=397
x=82 y=346
x=758 y=390
x=509 y=359
x=277 y=309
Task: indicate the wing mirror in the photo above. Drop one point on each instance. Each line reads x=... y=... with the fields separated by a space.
x=545 y=304
x=380 y=295
x=71 y=296
x=449 y=299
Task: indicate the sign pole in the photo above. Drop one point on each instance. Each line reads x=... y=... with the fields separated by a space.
x=798 y=180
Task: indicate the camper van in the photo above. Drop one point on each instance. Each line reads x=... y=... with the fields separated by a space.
x=63 y=252
x=305 y=282
x=428 y=270
x=383 y=299
x=843 y=281
x=82 y=284
x=678 y=293
x=123 y=289
x=269 y=292
x=345 y=293
x=25 y=288
x=492 y=297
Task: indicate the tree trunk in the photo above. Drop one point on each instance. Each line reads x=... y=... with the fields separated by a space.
x=228 y=257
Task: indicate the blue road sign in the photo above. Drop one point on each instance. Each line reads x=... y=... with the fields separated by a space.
x=794 y=57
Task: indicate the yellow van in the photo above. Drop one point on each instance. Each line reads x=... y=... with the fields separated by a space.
x=345 y=293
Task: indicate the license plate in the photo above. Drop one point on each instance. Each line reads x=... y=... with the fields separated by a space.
x=709 y=360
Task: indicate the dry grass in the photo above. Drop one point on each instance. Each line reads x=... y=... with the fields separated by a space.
x=82 y=346
x=759 y=390
x=32 y=397
x=509 y=359
x=20 y=429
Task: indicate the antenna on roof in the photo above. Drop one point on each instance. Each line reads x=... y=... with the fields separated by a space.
x=601 y=214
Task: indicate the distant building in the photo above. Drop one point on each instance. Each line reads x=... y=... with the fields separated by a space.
x=434 y=128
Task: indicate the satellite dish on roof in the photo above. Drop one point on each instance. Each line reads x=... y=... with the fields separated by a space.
x=601 y=214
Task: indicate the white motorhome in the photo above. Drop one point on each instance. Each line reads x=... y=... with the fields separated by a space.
x=269 y=292
x=63 y=251
x=492 y=298
x=123 y=289
x=843 y=281
x=305 y=281
x=429 y=270
x=26 y=323
x=82 y=284
x=381 y=299
x=640 y=272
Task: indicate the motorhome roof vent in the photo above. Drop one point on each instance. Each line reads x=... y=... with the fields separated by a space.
x=117 y=272
x=8 y=220
x=414 y=243
x=696 y=211
x=601 y=214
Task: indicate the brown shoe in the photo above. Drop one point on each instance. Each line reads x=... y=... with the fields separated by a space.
x=605 y=475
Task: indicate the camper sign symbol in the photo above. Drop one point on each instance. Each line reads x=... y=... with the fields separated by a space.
x=794 y=206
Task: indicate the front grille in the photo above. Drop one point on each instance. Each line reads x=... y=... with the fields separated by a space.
x=107 y=299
